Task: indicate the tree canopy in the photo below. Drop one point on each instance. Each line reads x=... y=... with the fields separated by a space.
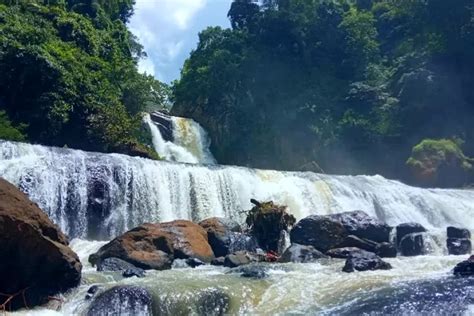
x=349 y=85
x=69 y=73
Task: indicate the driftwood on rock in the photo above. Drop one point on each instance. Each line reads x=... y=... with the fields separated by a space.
x=266 y=221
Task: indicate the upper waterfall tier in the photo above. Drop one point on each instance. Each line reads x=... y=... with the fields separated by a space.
x=179 y=139
x=101 y=195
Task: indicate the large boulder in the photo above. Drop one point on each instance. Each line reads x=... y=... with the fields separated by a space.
x=459 y=246
x=122 y=300
x=465 y=268
x=35 y=260
x=362 y=225
x=220 y=234
x=413 y=245
x=408 y=228
x=266 y=221
x=386 y=250
x=301 y=254
x=321 y=232
x=155 y=246
x=365 y=261
x=365 y=244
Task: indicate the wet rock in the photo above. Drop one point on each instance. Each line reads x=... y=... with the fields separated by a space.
x=365 y=261
x=194 y=262
x=122 y=300
x=253 y=271
x=218 y=261
x=459 y=246
x=362 y=225
x=386 y=250
x=443 y=296
x=155 y=246
x=164 y=123
x=220 y=234
x=113 y=264
x=213 y=302
x=455 y=232
x=91 y=292
x=134 y=272
x=301 y=254
x=240 y=258
x=406 y=229
x=243 y=242
x=412 y=245
x=35 y=259
x=321 y=232
x=266 y=221
x=465 y=268
x=347 y=252
x=354 y=241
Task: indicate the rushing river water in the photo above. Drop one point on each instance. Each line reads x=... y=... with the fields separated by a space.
x=415 y=285
x=95 y=196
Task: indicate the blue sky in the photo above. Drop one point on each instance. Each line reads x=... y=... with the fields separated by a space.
x=168 y=30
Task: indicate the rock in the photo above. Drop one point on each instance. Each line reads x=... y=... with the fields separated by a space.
x=122 y=300
x=220 y=234
x=465 y=268
x=113 y=264
x=386 y=250
x=321 y=232
x=213 y=302
x=364 y=261
x=242 y=242
x=253 y=271
x=194 y=262
x=454 y=232
x=218 y=261
x=459 y=246
x=240 y=258
x=164 y=123
x=155 y=246
x=354 y=241
x=301 y=254
x=408 y=228
x=347 y=252
x=135 y=272
x=91 y=292
x=266 y=221
x=362 y=225
x=412 y=245
x=35 y=259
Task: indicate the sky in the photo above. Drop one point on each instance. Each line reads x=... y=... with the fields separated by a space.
x=168 y=31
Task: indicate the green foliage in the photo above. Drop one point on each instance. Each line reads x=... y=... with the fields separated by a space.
x=69 y=71
x=8 y=131
x=352 y=85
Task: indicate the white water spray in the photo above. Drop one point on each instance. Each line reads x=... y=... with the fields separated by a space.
x=191 y=143
x=69 y=184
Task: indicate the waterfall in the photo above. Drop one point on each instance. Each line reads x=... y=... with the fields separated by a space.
x=190 y=142
x=98 y=196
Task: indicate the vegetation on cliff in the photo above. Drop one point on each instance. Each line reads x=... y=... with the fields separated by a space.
x=69 y=75
x=350 y=85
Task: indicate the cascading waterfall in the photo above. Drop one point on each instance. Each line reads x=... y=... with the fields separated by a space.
x=98 y=196
x=190 y=142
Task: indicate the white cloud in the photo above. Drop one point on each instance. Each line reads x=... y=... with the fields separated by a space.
x=163 y=27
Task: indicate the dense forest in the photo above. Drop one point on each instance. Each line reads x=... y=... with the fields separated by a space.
x=366 y=86
x=68 y=75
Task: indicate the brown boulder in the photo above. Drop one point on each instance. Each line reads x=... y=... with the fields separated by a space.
x=155 y=246
x=36 y=261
